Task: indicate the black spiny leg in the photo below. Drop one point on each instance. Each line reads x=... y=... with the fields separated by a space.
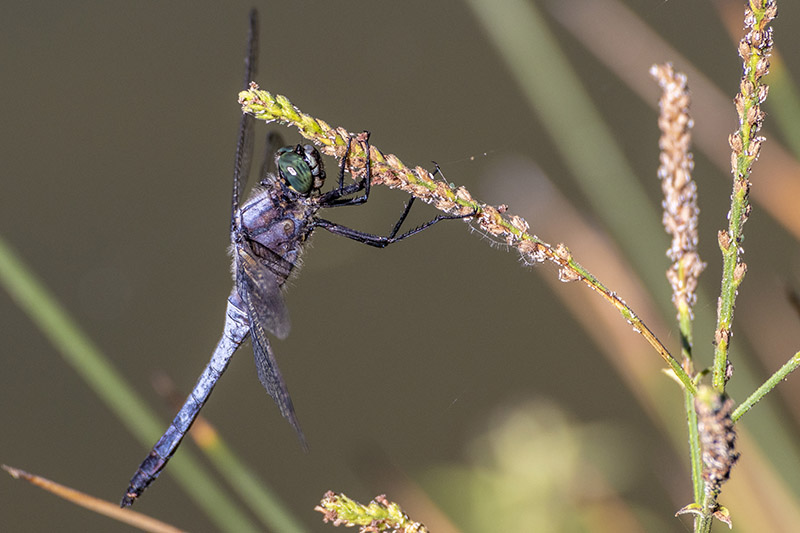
x=335 y=199
x=377 y=240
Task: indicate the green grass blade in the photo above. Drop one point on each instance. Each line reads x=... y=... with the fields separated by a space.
x=87 y=360
x=586 y=144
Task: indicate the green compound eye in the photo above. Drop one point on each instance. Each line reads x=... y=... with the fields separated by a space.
x=295 y=171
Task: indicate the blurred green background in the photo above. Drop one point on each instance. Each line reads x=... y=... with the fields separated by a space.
x=119 y=124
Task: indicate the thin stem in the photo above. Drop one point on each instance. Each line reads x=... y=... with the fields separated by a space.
x=102 y=507
x=703 y=523
x=695 y=451
x=768 y=385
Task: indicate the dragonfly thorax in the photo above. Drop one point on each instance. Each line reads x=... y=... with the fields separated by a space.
x=300 y=168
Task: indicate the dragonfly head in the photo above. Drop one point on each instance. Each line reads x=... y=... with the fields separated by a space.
x=300 y=168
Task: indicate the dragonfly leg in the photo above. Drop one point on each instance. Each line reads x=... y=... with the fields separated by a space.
x=344 y=163
x=380 y=241
x=336 y=197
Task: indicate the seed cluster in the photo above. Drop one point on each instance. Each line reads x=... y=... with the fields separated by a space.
x=379 y=516
x=754 y=49
x=680 y=191
x=717 y=438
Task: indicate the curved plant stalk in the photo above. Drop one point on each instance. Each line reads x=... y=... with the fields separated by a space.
x=390 y=171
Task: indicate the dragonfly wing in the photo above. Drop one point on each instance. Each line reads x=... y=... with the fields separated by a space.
x=259 y=289
x=260 y=273
x=268 y=167
x=244 y=143
x=272 y=380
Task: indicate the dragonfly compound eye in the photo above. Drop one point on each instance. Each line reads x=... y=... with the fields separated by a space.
x=295 y=171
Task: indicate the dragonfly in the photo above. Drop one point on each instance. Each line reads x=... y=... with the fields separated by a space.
x=268 y=232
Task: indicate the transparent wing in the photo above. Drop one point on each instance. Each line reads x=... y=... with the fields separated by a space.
x=274 y=142
x=244 y=142
x=271 y=378
x=259 y=288
x=251 y=57
x=259 y=280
